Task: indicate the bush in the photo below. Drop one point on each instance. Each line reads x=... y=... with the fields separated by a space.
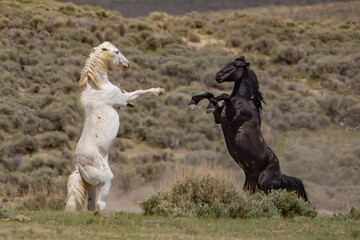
x=21 y=144
x=164 y=138
x=207 y=196
x=263 y=45
x=289 y=55
x=5 y=214
x=43 y=202
x=53 y=140
x=185 y=73
x=353 y=214
x=151 y=171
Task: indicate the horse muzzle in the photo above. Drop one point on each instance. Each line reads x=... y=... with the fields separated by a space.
x=218 y=77
x=125 y=66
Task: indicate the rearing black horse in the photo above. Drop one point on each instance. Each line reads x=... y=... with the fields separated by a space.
x=239 y=116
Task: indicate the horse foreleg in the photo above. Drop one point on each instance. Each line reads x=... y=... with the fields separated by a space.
x=132 y=96
x=197 y=98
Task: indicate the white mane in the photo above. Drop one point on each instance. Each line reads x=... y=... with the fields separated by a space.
x=98 y=61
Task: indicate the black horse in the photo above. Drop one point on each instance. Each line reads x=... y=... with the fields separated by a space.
x=239 y=116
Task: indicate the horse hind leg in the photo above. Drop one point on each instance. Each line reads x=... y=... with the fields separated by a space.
x=251 y=185
x=100 y=179
x=104 y=191
x=91 y=198
x=269 y=179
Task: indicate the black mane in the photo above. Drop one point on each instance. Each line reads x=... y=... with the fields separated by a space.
x=256 y=95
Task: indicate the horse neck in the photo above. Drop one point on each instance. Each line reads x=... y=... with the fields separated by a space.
x=243 y=87
x=103 y=78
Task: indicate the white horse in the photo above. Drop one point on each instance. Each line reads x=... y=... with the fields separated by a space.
x=100 y=101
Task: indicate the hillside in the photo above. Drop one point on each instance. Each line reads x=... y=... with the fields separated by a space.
x=141 y=8
x=308 y=71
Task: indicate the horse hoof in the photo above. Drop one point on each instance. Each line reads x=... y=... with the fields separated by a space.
x=162 y=90
x=131 y=105
x=210 y=110
x=191 y=107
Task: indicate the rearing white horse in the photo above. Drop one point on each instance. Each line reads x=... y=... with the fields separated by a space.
x=100 y=101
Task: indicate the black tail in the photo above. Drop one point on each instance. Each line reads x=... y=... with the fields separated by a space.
x=293 y=184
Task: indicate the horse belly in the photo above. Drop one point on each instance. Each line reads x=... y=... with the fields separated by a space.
x=106 y=130
x=245 y=148
x=100 y=130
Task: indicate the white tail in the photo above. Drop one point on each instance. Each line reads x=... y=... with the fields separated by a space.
x=76 y=187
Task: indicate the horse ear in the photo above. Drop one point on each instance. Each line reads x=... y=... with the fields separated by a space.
x=241 y=58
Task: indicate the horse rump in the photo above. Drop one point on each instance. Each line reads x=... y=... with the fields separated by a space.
x=76 y=193
x=293 y=184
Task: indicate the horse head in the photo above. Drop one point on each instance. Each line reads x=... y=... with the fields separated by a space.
x=246 y=83
x=232 y=71
x=102 y=58
x=111 y=54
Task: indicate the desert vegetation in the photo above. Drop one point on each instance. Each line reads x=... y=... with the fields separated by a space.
x=308 y=71
x=206 y=196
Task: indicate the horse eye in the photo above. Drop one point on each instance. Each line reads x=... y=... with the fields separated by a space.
x=117 y=52
x=238 y=64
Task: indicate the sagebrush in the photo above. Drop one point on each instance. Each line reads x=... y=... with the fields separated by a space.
x=207 y=196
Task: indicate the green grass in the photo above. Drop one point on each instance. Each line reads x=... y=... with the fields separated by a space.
x=118 y=225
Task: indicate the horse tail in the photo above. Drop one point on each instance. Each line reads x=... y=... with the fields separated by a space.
x=76 y=187
x=293 y=184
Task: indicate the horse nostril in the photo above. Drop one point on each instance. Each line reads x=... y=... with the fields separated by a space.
x=126 y=65
x=217 y=75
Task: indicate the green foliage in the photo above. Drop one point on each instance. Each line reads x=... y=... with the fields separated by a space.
x=5 y=214
x=206 y=196
x=289 y=55
x=21 y=144
x=265 y=45
x=353 y=214
x=53 y=140
x=43 y=202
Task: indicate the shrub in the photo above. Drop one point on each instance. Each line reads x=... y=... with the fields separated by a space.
x=185 y=73
x=289 y=55
x=21 y=144
x=353 y=214
x=53 y=140
x=151 y=171
x=163 y=138
x=43 y=202
x=198 y=157
x=263 y=45
x=206 y=196
x=127 y=180
x=193 y=37
x=154 y=157
x=5 y=214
